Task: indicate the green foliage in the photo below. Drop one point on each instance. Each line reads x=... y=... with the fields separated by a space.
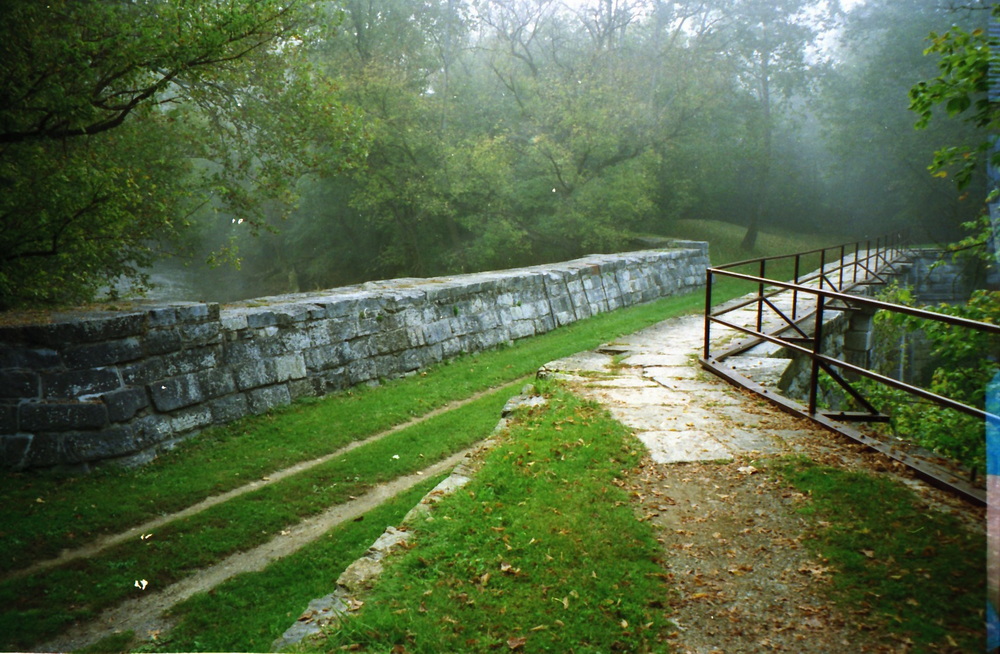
x=920 y=572
x=877 y=176
x=964 y=61
x=963 y=363
x=541 y=551
x=119 y=120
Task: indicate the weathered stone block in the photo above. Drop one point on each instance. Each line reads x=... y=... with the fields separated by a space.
x=44 y=450
x=232 y=321
x=335 y=380
x=86 y=329
x=161 y=341
x=229 y=408
x=62 y=416
x=292 y=366
x=257 y=318
x=262 y=400
x=305 y=388
x=187 y=420
x=295 y=340
x=19 y=384
x=13 y=449
x=326 y=356
x=96 y=355
x=437 y=332
x=216 y=382
x=151 y=430
x=79 y=383
x=198 y=312
x=390 y=342
x=83 y=447
x=162 y=317
x=8 y=418
x=176 y=392
x=125 y=403
x=254 y=374
x=34 y=359
x=207 y=333
x=170 y=365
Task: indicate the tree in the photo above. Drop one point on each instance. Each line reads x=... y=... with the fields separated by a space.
x=118 y=120
x=768 y=46
x=879 y=179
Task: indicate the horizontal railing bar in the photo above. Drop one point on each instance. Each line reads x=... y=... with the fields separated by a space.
x=778 y=257
x=956 y=321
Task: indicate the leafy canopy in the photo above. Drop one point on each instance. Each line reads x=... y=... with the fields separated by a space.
x=119 y=120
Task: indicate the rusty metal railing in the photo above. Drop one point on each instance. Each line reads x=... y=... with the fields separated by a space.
x=799 y=328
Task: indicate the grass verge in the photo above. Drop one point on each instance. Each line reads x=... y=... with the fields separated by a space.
x=540 y=552
x=917 y=572
x=41 y=605
x=247 y=613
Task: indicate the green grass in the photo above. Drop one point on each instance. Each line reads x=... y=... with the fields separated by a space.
x=247 y=613
x=915 y=572
x=724 y=240
x=540 y=552
x=81 y=589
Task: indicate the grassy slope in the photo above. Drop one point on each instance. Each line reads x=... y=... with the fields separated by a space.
x=540 y=552
x=917 y=572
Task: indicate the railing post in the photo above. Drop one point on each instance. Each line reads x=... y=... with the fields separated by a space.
x=760 y=298
x=857 y=251
x=706 y=352
x=822 y=268
x=817 y=348
x=843 y=252
x=795 y=291
x=868 y=256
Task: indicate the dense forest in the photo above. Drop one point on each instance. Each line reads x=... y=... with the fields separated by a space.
x=300 y=145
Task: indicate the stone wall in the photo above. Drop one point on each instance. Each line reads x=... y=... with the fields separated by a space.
x=85 y=387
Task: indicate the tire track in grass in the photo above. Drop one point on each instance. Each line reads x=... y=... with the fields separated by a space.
x=144 y=614
x=97 y=546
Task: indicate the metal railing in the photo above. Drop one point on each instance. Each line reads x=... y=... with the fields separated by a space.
x=828 y=288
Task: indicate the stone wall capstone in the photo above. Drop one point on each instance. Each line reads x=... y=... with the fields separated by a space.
x=84 y=387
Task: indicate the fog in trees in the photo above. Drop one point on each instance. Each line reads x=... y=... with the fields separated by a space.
x=337 y=142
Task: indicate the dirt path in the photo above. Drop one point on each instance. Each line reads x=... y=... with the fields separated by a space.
x=144 y=614
x=732 y=536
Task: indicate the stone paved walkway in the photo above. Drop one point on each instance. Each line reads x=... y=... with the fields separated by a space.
x=651 y=382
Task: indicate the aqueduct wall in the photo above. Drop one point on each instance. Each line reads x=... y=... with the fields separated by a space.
x=84 y=387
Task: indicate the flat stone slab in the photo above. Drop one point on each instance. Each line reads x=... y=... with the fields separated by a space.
x=679 y=412
x=683 y=446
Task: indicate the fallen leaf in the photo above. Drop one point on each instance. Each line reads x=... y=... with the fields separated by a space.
x=516 y=643
x=869 y=553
